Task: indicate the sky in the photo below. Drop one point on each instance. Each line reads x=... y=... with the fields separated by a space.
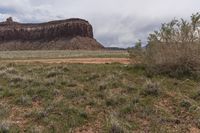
x=116 y=23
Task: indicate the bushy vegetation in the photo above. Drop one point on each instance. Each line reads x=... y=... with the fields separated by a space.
x=174 y=49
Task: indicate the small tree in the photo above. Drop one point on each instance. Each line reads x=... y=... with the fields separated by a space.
x=138 y=45
x=136 y=53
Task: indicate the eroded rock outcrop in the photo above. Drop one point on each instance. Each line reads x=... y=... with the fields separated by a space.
x=62 y=34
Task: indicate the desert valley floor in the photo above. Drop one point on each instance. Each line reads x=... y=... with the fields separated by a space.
x=38 y=96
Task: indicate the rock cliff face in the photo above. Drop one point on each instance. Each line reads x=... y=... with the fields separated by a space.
x=63 y=34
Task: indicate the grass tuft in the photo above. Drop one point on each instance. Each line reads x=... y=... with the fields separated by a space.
x=151 y=89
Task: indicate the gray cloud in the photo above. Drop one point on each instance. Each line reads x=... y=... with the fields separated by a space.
x=116 y=22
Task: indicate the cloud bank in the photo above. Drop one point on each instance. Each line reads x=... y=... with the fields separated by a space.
x=117 y=23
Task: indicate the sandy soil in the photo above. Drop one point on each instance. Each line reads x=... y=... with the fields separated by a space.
x=73 y=60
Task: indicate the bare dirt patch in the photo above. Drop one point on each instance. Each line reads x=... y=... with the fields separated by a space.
x=73 y=60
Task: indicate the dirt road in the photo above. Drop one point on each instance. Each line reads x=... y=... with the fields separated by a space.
x=72 y=60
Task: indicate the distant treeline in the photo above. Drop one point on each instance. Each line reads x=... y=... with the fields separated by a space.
x=115 y=48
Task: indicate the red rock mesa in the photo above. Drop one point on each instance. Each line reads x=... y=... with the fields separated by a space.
x=69 y=34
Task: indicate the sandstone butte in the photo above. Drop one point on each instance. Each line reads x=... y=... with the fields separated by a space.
x=69 y=34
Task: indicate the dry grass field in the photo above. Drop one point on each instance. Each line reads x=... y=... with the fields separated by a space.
x=60 y=54
x=87 y=98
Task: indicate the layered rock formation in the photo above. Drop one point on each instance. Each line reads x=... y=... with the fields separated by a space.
x=59 y=35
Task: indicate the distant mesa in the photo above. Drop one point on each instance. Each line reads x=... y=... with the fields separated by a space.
x=69 y=34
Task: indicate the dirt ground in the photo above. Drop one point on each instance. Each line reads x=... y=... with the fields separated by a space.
x=73 y=60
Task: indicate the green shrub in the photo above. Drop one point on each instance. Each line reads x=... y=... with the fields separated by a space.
x=24 y=100
x=4 y=111
x=1 y=88
x=151 y=89
x=196 y=95
x=116 y=129
x=52 y=74
x=115 y=125
x=7 y=93
x=186 y=104
x=6 y=127
x=111 y=102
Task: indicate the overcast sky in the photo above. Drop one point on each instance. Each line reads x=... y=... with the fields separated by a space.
x=116 y=23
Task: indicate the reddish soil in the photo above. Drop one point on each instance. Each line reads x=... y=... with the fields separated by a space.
x=73 y=60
